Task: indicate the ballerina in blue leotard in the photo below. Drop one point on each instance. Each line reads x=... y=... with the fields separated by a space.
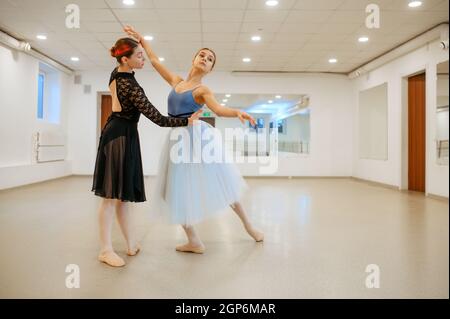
x=192 y=192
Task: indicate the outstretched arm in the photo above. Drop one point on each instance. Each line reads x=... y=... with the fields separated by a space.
x=138 y=98
x=211 y=102
x=167 y=75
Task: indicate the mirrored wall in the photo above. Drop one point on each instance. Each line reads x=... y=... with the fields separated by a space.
x=442 y=113
x=293 y=133
x=282 y=123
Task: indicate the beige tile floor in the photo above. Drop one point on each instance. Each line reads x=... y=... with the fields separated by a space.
x=320 y=236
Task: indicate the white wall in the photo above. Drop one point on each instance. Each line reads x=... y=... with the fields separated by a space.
x=391 y=171
x=331 y=119
x=372 y=117
x=18 y=121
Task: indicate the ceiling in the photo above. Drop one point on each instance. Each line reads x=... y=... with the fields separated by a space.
x=297 y=35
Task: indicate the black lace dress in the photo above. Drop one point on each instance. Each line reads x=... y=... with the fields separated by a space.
x=118 y=168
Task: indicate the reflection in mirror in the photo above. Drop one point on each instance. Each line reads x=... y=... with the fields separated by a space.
x=293 y=133
x=442 y=113
x=289 y=112
x=373 y=130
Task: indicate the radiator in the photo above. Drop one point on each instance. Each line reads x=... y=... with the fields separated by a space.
x=50 y=146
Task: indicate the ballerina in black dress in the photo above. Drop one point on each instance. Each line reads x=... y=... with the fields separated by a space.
x=118 y=176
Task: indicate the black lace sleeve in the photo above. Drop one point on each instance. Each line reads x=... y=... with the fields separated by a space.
x=113 y=76
x=139 y=99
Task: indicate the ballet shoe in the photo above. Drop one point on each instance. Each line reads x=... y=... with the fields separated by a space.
x=111 y=258
x=256 y=235
x=134 y=251
x=259 y=237
x=189 y=248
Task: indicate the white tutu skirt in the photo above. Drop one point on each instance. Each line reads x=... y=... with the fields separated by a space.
x=189 y=191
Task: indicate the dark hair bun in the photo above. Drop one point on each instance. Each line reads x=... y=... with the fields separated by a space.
x=123 y=47
x=112 y=51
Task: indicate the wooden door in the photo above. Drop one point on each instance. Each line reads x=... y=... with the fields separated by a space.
x=106 y=109
x=416 y=133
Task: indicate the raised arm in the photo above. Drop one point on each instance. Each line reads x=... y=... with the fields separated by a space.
x=137 y=97
x=167 y=75
x=211 y=102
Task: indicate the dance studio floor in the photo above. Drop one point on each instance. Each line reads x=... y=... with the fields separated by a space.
x=320 y=235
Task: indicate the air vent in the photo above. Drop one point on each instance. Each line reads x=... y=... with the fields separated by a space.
x=77 y=79
x=87 y=89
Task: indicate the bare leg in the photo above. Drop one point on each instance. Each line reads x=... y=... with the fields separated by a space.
x=124 y=219
x=239 y=210
x=106 y=216
x=194 y=244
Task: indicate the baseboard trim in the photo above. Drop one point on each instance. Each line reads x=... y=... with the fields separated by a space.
x=35 y=183
x=438 y=197
x=384 y=185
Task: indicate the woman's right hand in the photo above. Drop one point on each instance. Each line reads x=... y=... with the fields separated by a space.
x=131 y=32
x=244 y=116
x=195 y=117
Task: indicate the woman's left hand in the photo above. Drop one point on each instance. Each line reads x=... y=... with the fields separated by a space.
x=244 y=116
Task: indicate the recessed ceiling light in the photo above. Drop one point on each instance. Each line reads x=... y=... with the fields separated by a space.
x=278 y=96
x=246 y=60
x=227 y=95
x=41 y=37
x=75 y=58
x=332 y=60
x=223 y=104
x=224 y=100
x=270 y=101
x=271 y=3
x=256 y=38
x=363 y=39
x=414 y=4
x=161 y=59
x=148 y=38
x=128 y=2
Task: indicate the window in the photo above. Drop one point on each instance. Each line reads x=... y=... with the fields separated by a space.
x=281 y=126
x=49 y=94
x=259 y=124
x=40 y=107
